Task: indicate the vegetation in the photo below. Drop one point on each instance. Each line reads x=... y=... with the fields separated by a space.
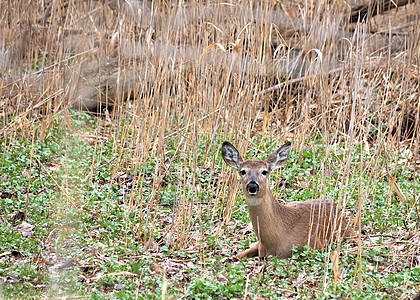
x=135 y=201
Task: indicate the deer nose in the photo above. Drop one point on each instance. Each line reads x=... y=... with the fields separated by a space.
x=252 y=188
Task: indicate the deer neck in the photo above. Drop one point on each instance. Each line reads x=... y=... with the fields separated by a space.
x=269 y=218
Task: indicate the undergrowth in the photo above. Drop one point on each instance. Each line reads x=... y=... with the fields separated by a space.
x=70 y=225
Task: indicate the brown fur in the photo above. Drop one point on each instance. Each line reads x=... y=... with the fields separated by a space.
x=280 y=227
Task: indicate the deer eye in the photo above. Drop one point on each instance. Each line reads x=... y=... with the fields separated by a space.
x=264 y=172
x=242 y=172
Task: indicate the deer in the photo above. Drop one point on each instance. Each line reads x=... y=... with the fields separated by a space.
x=280 y=227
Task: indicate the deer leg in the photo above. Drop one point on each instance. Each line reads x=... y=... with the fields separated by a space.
x=251 y=252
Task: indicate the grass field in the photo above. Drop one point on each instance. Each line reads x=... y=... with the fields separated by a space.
x=134 y=201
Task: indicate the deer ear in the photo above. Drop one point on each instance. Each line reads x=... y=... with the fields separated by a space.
x=278 y=157
x=231 y=156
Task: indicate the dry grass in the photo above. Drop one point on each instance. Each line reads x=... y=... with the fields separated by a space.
x=193 y=74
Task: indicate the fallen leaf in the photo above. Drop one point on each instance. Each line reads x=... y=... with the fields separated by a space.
x=25 y=228
x=248 y=229
x=223 y=279
x=26 y=172
x=303 y=184
x=39 y=260
x=6 y=253
x=158 y=269
x=152 y=246
x=168 y=239
x=50 y=166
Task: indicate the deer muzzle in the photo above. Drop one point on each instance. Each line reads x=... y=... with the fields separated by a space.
x=252 y=188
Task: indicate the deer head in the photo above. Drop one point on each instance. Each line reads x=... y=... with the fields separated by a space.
x=254 y=173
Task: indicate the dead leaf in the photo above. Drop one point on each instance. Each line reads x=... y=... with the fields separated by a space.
x=39 y=260
x=168 y=239
x=197 y=236
x=25 y=228
x=303 y=184
x=50 y=166
x=167 y=220
x=6 y=253
x=152 y=246
x=26 y=173
x=223 y=279
x=248 y=229
x=158 y=269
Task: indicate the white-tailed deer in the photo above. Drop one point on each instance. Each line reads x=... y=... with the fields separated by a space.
x=280 y=227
